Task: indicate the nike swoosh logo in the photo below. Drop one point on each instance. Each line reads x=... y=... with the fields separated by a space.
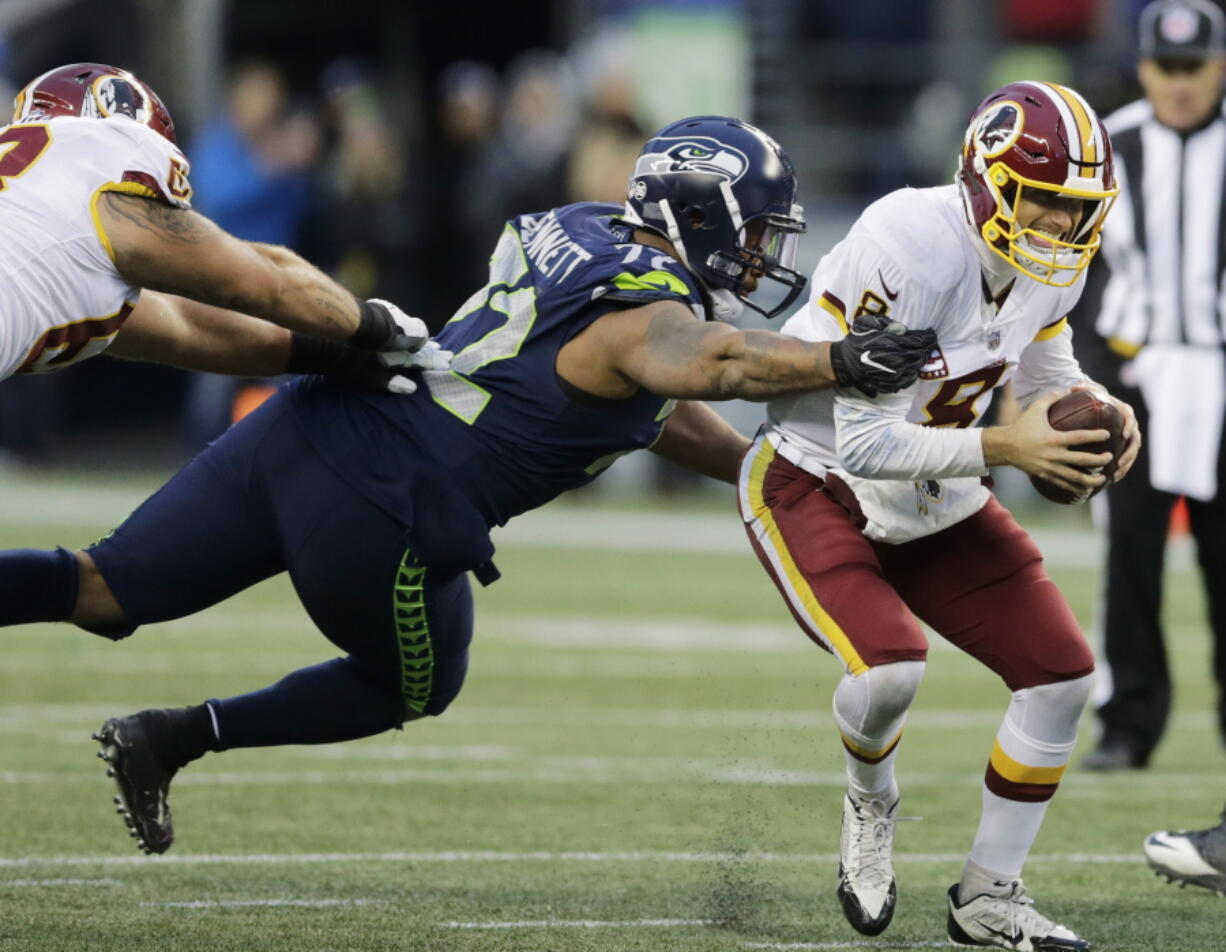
x=1014 y=940
x=885 y=287
x=866 y=358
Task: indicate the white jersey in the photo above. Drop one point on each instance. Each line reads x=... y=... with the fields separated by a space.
x=912 y=458
x=61 y=297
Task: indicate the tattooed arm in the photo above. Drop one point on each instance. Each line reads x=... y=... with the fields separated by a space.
x=181 y=252
x=666 y=349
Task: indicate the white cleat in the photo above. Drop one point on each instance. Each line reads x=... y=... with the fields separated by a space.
x=1196 y=858
x=867 y=889
x=1008 y=920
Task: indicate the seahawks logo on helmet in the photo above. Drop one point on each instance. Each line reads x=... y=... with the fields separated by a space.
x=998 y=128
x=694 y=154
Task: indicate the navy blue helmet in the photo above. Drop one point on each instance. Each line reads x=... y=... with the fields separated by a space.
x=724 y=194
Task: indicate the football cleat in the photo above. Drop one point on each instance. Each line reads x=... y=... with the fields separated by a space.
x=1196 y=858
x=144 y=784
x=1008 y=920
x=867 y=890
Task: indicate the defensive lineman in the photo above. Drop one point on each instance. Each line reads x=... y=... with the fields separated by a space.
x=867 y=510
x=589 y=340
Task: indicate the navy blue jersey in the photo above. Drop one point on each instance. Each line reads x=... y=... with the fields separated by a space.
x=500 y=433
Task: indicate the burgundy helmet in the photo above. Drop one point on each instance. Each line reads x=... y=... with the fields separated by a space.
x=93 y=89
x=1030 y=140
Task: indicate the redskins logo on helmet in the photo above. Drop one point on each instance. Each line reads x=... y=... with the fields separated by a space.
x=93 y=90
x=1037 y=142
x=998 y=128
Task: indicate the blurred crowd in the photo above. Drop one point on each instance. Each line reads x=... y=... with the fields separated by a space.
x=338 y=179
x=405 y=199
x=394 y=208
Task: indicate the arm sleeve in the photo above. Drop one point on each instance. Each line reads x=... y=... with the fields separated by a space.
x=876 y=441
x=874 y=438
x=1048 y=364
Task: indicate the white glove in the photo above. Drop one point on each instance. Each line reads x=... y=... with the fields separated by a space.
x=430 y=356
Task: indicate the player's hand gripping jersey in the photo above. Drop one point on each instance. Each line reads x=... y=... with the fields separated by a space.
x=501 y=432
x=62 y=299
x=912 y=459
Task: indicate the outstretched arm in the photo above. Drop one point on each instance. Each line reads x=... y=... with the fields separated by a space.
x=166 y=329
x=183 y=333
x=666 y=349
x=181 y=252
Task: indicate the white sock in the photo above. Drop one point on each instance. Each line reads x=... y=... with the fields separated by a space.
x=1032 y=749
x=869 y=709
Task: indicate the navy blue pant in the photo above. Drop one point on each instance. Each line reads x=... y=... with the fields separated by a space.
x=260 y=501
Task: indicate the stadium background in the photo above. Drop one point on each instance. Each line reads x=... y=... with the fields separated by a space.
x=406 y=133
x=643 y=756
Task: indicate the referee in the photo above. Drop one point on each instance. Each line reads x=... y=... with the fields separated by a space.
x=1153 y=330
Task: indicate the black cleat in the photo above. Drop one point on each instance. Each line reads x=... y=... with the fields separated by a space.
x=1197 y=858
x=144 y=784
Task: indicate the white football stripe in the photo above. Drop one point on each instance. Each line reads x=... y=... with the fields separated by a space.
x=559 y=526
x=499 y=856
x=845 y=945
x=241 y=903
x=580 y=924
x=52 y=718
x=59 y=882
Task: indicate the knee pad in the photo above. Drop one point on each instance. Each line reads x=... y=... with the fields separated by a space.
x=870 y=706
x=1048 y=713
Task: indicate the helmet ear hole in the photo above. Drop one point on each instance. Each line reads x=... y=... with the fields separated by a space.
x=697 y=218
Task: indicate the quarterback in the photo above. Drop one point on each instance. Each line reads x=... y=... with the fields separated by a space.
x=591 y=339
x=868 y=512
x=95 y=204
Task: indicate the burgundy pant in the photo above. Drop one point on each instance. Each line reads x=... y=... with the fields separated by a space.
x=980 y=583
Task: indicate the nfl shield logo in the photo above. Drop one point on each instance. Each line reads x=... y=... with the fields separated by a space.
x=993 y=340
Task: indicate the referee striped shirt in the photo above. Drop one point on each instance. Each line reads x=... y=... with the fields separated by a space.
x=1165 y=240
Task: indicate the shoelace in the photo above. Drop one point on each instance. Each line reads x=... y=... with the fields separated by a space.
x=1023 y=917
x=873 y=842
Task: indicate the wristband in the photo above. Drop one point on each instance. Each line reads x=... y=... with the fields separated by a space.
x=375 y=327
x=313 y=355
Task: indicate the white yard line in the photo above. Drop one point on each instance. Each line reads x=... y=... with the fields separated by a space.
x=40 y=883
x=245 y=903
x=569 y=527
x=52 y=718
x=500 y=856
x=581 y=924
x=845 y=945
x=606 y=771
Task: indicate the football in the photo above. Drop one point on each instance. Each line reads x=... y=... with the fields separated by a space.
x=1084 y=410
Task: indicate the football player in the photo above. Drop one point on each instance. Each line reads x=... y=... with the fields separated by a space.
x=592 y=338
x=868 y=512
x=95 y=204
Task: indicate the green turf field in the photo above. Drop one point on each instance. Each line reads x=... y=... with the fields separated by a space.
x=642 y=759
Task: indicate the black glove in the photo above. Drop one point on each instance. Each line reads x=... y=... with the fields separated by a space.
x=345 y=364
x=880 y=355
x=383 y=326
